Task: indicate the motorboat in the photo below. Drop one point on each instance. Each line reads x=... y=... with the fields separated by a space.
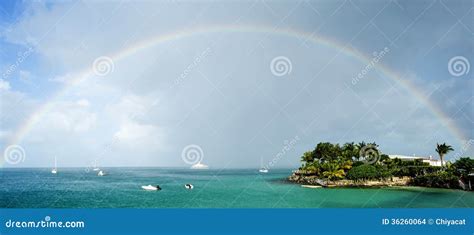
x=151 y=187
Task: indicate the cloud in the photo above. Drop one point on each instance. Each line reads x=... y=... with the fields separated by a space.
x=4 y=85
x=229 y=103
x=25 y=76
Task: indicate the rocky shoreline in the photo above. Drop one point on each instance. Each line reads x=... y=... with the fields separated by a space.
x=305 y=179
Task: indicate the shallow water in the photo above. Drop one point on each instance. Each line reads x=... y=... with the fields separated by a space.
x=237 y=188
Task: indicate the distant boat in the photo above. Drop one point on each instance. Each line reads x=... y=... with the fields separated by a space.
x=96 y=168
x=101 y=173
x=55 y=169
x=188 y=186
x=200 y=166
x=311 y=186
x=262 y=169
x=151 y=188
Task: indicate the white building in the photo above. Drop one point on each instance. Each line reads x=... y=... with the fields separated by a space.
x=429 y=160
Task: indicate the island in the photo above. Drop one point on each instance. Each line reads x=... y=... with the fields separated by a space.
x=364 y=165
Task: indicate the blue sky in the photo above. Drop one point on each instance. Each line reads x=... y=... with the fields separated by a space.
x=217 y=90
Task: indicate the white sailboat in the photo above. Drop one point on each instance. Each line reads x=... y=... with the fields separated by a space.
x=101 y=173
x=55 y=169
x=262 y=169
x=96 y=168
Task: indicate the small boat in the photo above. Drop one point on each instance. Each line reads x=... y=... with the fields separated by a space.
x=188 y=186
x=151 y=188
x=262 y=169
x=311 y=186
x=55 y=169
x=199 y=166
x=96 y=168
x=101 y=173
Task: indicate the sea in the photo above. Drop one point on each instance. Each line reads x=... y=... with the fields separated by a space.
x=213 y=188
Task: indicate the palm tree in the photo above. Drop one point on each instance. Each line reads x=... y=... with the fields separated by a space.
x=443 y=149
x=332 y=171
x=307 y=157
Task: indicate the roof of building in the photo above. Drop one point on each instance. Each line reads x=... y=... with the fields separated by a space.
x=404 y=157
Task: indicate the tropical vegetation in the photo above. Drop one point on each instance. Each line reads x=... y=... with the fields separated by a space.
x=443 y=149
x=363 y=162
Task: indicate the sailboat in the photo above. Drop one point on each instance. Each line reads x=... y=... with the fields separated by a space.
x=55 y=169
x=262 y=169
x=101 y=173
x=96 y=168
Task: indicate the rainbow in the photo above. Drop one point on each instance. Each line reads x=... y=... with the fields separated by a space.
x=177 y=35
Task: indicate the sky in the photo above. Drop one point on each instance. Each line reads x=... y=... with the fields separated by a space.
x=231 y=84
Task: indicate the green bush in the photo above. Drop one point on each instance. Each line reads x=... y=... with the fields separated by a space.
x=463 y=167
x=414 y=171
x=383 y=172
x=362 y=172
x=441 y=179
x=358 y=163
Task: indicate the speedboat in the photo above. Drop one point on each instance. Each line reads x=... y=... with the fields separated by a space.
x=188 y=186
x=151 y=188
x=101 y=173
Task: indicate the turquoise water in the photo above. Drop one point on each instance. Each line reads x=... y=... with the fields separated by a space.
x=76 y=188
